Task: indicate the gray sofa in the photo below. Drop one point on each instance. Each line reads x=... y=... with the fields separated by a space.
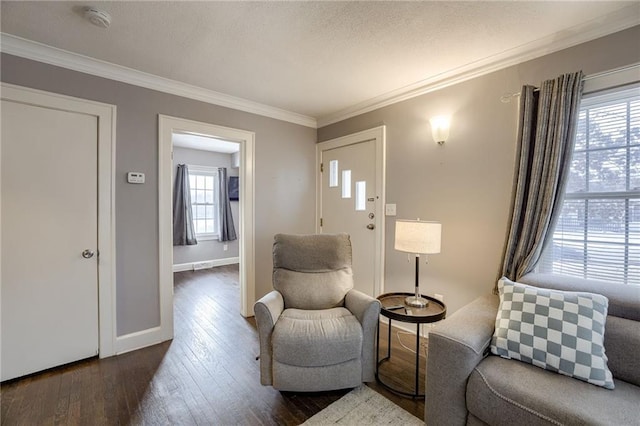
x=465 y=384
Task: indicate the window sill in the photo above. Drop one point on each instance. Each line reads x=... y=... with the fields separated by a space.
x=206 y=237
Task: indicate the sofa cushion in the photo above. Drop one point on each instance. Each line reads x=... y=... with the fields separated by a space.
x=556 y=330
x=292 y=378
x=622 y=343
x=624 y=299
x=506 y=392
x=316 y=338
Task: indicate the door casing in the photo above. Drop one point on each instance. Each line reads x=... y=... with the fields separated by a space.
x=379 y=135
x=106 y=115
x=166 y=127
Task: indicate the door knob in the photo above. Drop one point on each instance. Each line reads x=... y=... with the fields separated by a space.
x=371 y=226
x=87 y=253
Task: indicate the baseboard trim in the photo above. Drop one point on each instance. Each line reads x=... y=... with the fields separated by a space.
x=139 y=339
x=205 y=264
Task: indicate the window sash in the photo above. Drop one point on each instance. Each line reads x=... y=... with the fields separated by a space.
x=598 y=233
x=204 y=201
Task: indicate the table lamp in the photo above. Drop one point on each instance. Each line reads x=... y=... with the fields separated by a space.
x=418 y=237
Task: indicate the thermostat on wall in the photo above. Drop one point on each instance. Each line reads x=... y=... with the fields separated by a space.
x=135 y=177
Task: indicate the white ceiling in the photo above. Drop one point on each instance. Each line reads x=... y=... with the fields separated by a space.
x=204 y=143
x=319 y=59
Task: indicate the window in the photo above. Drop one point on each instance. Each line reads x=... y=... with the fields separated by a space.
x=598 y=233
x=203 y=183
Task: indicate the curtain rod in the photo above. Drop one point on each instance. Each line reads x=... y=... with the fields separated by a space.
x=506 y=98
x=198 y=166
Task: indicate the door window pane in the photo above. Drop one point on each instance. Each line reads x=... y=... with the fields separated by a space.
x=333 y=173
x=346 y=184
x=361 y=195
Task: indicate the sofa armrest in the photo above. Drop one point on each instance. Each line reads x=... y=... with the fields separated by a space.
x=267 y=311
x=367 y=310
x=456 y=346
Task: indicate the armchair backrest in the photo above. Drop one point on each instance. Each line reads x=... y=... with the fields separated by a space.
x=312 y=271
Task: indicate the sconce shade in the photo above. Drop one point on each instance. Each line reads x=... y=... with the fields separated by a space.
x=419 y=237
x=440 y=128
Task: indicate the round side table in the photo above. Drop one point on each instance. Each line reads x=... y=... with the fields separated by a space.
x=434 y=311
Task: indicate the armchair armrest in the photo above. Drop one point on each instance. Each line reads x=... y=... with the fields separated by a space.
x=366 y=309
x=267 y=311
x=456 y=346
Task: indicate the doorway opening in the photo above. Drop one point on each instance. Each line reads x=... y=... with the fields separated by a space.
x=177 y=129
x=212 y=169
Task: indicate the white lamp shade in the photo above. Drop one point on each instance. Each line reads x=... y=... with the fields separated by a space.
x=414 y=236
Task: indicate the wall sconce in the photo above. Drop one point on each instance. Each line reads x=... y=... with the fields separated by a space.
x=440 y=128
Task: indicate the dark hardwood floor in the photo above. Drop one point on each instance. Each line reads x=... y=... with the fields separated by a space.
x=207 y=375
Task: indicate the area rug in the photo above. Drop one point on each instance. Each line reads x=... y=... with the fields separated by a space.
x=363 y=406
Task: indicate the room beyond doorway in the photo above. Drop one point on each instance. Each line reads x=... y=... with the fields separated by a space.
x=211 y=168
x=168 y=126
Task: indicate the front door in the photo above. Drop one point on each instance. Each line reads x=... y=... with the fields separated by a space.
x=49 y=237
x=351 y=199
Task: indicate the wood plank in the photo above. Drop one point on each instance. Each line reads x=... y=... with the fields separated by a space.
x=207 y=375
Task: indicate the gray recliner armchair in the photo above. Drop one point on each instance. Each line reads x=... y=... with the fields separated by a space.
x=316 y=332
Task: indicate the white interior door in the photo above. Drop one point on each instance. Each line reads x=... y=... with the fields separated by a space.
x=351 y=199
x=49 y=217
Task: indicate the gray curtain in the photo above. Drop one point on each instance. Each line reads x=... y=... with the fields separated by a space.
x=546 y=134
x=227 y=230
x=183 y=232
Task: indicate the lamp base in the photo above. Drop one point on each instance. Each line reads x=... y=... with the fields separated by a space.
x=416 y=301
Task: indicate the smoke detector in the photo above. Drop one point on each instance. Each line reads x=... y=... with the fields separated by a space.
x=97 y=17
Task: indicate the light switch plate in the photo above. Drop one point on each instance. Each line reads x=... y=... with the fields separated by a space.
x=390 y=209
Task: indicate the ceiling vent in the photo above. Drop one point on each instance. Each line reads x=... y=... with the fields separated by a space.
x=98 y=17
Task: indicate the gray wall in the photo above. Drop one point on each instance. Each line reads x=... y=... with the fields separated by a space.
x=206 y=249
x=284 y=177
x=466 y=184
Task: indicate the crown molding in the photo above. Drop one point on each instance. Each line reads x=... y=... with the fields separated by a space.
x=40 y=52
x=622 y=19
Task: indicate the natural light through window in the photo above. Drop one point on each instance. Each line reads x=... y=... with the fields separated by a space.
x=361 y=195
x=203 y=184
x=346 y=184
x=333 y=173
x=598 y=233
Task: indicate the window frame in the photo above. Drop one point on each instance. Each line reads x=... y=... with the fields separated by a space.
x=594 y=99
x=210 y=171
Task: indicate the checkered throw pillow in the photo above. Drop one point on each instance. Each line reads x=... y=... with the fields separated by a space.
x=559 y=331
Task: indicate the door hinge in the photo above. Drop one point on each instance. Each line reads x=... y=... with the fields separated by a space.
x=321 y=167
x=320 y=222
